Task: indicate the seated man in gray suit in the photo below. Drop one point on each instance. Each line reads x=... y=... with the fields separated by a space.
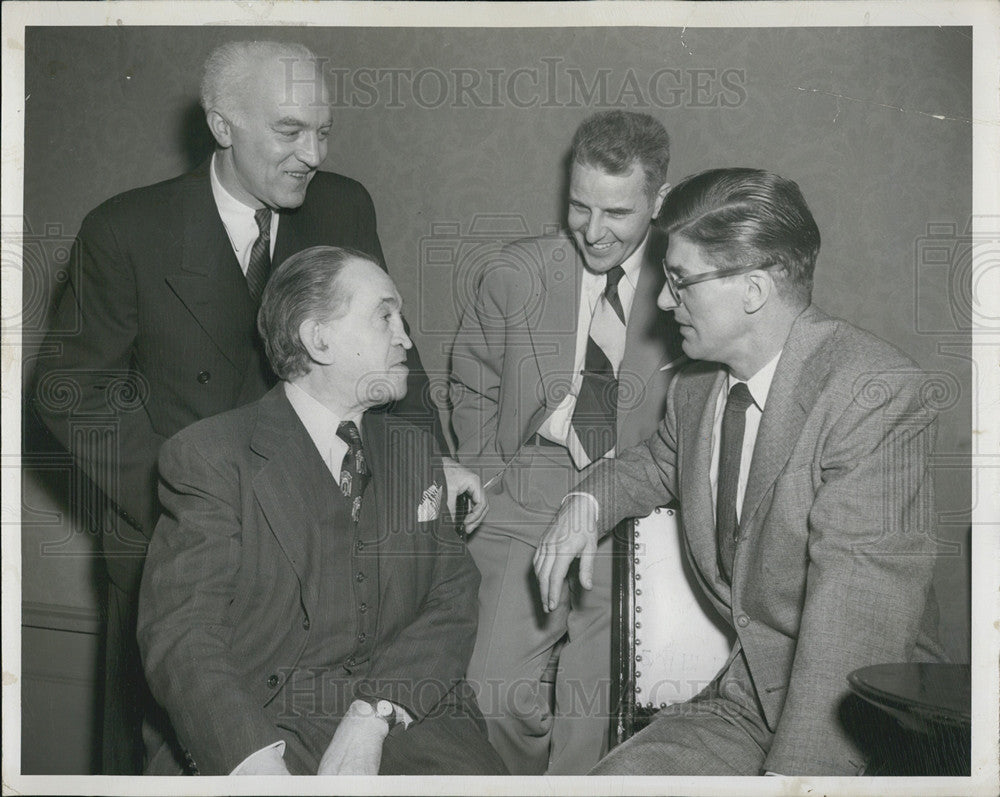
x=303 y=609
x=797 y=446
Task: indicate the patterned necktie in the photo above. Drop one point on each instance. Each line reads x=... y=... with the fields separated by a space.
x=593 y=431
x=730 y=454
x=259 y=268
x=354 y=473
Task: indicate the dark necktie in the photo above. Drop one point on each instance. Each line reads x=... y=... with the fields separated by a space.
x=730 y=453
x=593 y=431
x=259 y=268
x=354 y=473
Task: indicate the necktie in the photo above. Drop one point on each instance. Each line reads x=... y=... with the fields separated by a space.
x=593 y=432
x=354 y=473
x=259 y=268
x=730 y=453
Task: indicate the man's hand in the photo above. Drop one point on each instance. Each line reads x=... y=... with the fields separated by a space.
x=356 y=747
x=572 y=533
x=462 y=480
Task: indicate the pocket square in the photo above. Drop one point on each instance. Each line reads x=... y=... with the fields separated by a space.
x=430 y=504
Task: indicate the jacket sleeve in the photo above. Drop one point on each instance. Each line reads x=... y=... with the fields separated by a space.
x=92 y=398
x=184 y=629
x=870 y=561
x=477 y=366
x=639 y=479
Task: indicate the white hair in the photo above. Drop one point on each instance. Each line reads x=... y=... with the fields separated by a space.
x=230 y=67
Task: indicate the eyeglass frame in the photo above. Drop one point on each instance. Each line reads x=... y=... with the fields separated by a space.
x=676 y=285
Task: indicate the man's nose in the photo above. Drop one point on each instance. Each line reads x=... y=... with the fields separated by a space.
x=402 y=339
x=595 y=227
x=312 y=150
x=666 y=301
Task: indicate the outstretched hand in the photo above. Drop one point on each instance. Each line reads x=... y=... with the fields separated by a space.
x=572 y=534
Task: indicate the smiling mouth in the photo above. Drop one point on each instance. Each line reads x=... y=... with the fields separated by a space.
x=601 y=247
x=299 y=175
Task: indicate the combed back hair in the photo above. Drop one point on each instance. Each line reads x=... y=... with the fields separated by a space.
x=615 y=140
x=306 y=286
x=743 y=217
x=230 y=68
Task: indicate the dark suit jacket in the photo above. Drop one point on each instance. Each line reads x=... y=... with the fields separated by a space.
x=164 y=334
x=513 y=358
x=836 y=548
x=233 y=571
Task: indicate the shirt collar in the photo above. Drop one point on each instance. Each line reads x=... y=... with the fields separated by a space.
x=760 y=383
x=228 y=205
x=321 y=425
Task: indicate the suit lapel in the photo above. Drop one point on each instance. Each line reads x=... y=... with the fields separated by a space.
x=695 y=421
x=797 y=381
x=551 y=326
x=289 y=484
x=209 y=270
x=288 y=241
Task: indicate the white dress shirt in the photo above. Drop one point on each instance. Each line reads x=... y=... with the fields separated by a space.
x=239 y=221
x=556 y=426
x=759 y=385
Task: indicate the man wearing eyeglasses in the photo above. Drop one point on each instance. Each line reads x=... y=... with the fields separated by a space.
x=797 y=447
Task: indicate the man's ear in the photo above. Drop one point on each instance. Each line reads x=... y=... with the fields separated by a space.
x=220 y=127
x=314 y=335
x=759 y=287
x=661 y=194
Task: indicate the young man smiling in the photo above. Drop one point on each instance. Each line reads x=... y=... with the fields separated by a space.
x=561 y=359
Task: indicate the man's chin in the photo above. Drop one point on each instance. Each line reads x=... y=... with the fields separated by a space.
x=384 y=390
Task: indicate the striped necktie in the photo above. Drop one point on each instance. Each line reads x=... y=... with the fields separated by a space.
x=259 y=268
x=593 y=430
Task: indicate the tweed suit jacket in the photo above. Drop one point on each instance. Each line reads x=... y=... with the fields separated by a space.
x=233 y=572
x=836 y=544
x=159 y=332
x=514 y=353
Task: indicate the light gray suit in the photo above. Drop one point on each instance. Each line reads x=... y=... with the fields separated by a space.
x=512 y=364
x=833 y=562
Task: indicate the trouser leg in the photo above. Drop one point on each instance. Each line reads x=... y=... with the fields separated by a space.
x=583 y=682
x=513 y=645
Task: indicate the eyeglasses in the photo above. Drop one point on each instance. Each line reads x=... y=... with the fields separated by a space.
x=676 y=285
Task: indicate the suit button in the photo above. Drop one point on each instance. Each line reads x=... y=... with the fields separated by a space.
x=204 y=376
x=362 y=636
x=360 y=577
x=272 y=681
x=352 y=661
x=363 y=608
x=305 y=623
x=359 y=545
x=742 y=621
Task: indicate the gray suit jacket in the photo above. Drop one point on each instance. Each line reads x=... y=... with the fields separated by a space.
x=513 y=358
x=230 y=592
x=836 y=545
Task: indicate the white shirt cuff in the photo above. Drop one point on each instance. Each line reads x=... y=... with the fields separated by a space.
x=597 y=506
